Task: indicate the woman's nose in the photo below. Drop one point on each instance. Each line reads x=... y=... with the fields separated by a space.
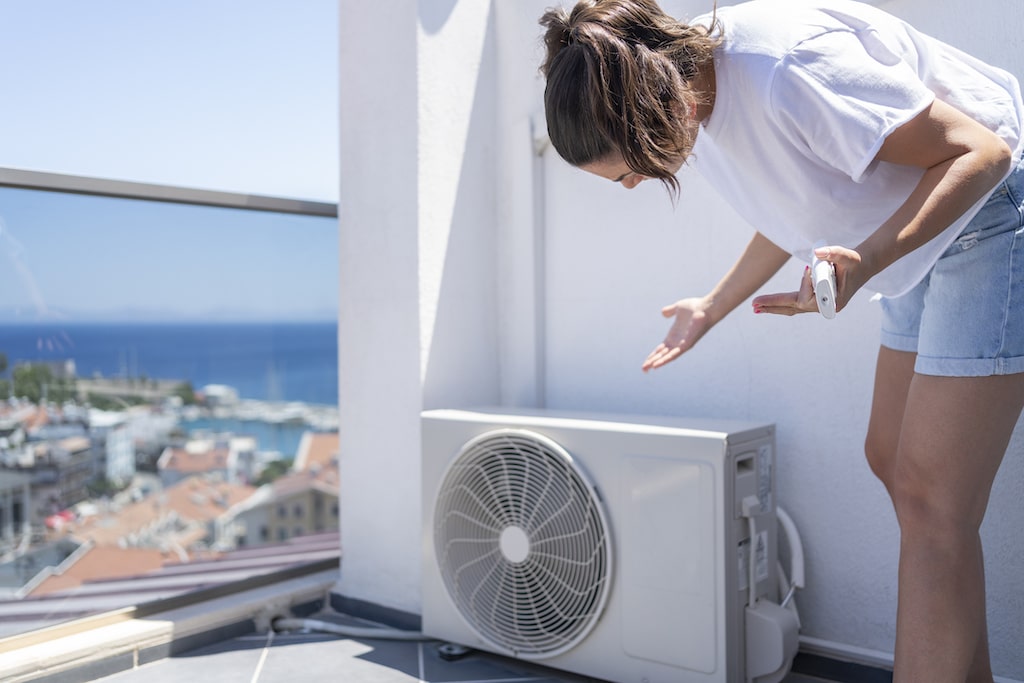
x=632 y=180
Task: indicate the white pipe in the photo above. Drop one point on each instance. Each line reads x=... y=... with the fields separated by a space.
x=796 y=548
x=286 y=624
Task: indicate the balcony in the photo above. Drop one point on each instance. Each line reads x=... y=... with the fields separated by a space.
x=275 y=632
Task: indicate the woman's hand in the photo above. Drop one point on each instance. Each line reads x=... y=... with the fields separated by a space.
x=691 y=323
x=850 y=277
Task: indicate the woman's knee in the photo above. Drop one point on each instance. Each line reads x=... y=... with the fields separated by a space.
x=925 y=508
x=881 y=456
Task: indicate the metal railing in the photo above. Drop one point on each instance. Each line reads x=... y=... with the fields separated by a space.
x=104 y=187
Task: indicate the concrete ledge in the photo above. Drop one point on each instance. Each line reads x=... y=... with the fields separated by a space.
x=113 y=647
x=379 y=614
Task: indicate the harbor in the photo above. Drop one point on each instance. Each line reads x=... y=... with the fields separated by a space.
x=215 y=401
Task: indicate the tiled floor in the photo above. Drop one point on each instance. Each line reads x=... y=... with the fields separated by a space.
x=313 y=657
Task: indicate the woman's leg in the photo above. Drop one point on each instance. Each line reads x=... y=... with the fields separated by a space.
x=893 y=372
x=953 y=435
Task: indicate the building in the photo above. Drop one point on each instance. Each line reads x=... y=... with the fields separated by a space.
x=199 y=456
x=303 y=501
x=316 y=449
x=114 y=441
x=15 y=504
x=180 y=519
x=234 y=458
x=219 y=395
x=51 y=446
x=60 y=473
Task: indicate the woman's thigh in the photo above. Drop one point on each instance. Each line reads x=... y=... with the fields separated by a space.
x=953 y=436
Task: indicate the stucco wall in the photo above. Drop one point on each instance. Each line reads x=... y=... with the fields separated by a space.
x=474 y=271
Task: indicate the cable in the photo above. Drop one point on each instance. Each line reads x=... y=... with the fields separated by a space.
x=796 y=548
x=286 y=624
x=796 y=553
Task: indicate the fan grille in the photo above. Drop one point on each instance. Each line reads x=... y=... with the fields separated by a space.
x=522 y=543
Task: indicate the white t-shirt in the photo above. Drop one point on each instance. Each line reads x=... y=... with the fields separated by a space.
x=807 y=93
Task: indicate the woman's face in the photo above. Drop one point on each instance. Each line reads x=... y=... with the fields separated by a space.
x=614 y=168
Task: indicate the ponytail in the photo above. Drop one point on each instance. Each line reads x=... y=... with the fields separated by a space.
x=618 y=80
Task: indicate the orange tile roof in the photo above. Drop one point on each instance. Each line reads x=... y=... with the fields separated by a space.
x=203 y=500
x=102 y=562
x=195 y=499
x=182 y=460
x=318 y=449
x=325 y=480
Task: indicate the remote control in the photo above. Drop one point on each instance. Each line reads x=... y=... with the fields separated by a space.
x=823 y=274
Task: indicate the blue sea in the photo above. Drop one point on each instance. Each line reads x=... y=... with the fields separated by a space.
x=273 y=361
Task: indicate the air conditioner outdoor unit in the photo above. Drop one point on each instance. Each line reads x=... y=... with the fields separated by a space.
x=616 y=547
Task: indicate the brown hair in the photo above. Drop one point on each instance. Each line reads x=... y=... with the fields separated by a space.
x=618 y=80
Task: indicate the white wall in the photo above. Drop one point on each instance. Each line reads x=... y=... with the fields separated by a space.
x=416 y=251
x=474 y=272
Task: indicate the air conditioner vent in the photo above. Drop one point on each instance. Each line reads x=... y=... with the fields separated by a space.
x=522 y=543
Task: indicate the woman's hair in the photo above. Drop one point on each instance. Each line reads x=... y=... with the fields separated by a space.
x=618 y=74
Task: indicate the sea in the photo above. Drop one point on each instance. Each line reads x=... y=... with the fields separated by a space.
x=268 y=361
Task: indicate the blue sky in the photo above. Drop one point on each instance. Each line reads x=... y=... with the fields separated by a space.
x=237 y=95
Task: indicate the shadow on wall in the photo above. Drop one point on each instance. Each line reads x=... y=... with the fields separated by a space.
x=463 y=362
x=434 y=15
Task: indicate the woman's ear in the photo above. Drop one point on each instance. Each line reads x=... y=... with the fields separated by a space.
x=681 y=109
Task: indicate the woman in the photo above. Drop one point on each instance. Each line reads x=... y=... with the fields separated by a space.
x=833 y=121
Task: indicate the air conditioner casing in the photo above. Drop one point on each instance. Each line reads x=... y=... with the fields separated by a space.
x=671 y=491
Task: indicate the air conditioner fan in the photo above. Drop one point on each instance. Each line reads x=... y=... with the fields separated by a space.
x=522 y=543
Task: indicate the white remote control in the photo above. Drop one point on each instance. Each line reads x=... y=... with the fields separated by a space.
x=823 y=274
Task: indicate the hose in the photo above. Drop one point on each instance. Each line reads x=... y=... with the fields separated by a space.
x=288 y=624
x=796 y=548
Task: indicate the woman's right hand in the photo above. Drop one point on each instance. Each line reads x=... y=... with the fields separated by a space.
x=690 y=324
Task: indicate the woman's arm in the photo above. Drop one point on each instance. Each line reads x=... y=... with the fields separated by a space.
x=755 y=266
x=694 y=317
x=962 y=159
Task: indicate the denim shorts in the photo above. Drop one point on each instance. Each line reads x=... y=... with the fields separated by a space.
x=966 y=318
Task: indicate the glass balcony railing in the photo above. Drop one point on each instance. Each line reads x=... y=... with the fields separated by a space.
x=168 y=385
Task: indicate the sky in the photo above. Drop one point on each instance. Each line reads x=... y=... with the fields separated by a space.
x=236 y=95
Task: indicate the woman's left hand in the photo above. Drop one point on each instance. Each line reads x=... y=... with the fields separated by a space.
x=847 y=263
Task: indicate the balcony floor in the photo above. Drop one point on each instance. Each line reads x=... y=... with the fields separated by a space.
x=312 y=657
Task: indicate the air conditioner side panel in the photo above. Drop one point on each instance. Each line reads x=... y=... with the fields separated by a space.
x=670 y=562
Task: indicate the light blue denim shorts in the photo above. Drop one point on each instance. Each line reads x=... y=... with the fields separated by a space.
x=966 y=318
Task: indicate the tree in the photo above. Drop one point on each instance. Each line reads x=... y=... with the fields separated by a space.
x=5 y=385
x=186 y=393
x=273 y=470
x=30 y=381
x=36 y=382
